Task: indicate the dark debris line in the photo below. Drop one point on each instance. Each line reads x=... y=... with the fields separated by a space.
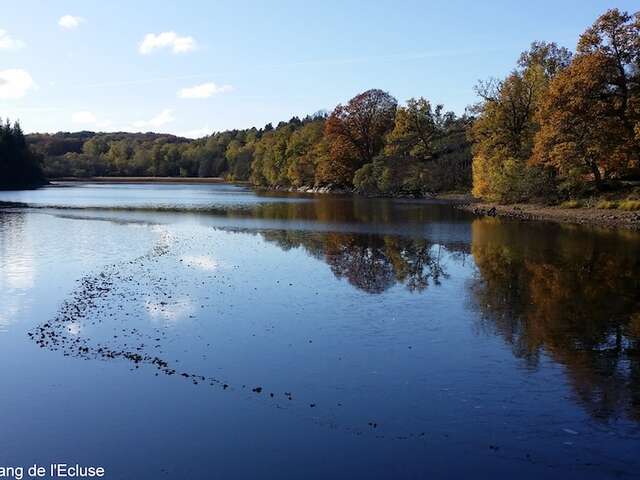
x=55 y=335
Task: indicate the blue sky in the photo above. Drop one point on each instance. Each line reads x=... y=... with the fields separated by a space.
x=214 y=65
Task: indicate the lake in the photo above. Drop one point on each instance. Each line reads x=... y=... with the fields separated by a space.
x=210 y=331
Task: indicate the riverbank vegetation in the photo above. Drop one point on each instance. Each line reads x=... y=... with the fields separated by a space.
x=561 y=127
x=564 y=126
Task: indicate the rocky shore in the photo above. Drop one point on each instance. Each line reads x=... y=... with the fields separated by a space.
x=309 y=189
x=581 y=216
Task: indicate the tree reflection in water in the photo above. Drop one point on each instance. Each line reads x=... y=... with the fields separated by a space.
x=575 y=298
x=371 y=263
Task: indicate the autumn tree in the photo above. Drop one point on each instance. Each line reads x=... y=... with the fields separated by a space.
x=616 y=36
x=575 y=138
x=425 y=152
x=549 y=56
x=506 y=125
x=589 y=119
x=304 y=149
x=356 y=133
x=338 y=164
x=269 y=166
x=239 y=156
x=503 y=135
x=417 y=128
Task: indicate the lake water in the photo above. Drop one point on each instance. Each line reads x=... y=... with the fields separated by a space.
x=208 y=331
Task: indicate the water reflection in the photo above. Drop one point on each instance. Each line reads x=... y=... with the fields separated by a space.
x=17 y=266
x=160 y=310
x=203 y=262
x=347 y=209
x=371 y=263
x=564 y=300
x=241 y=207
x=575 y=298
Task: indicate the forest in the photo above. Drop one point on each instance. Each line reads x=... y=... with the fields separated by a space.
x=561 y=125
x=370 y=145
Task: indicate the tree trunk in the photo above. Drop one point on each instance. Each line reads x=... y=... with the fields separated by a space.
x=596 y=174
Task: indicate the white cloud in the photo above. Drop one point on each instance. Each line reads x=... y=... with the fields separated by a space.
x=83 y=117
x=162 y=118
x=171 y=40
x=204 y=90
x=15 y=83
x=7 y=42
x=70 y=21
x=197 y=133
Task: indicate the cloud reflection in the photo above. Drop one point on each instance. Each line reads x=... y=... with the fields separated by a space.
x=203 y=262
x=170 y=312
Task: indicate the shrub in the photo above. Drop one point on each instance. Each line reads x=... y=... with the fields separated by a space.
x=607 y=204
x=571 y=204
x=630 y=205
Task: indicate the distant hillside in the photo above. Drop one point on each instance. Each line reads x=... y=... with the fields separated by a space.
x=54 y=144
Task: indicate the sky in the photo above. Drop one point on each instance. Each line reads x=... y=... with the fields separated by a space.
x=194 y=67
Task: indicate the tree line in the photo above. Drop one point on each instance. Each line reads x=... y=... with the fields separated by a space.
x=19 y=165
x=370 y=145
x=560 y=125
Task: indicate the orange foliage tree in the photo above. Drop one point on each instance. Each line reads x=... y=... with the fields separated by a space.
x=590 y=117
x=356 y=133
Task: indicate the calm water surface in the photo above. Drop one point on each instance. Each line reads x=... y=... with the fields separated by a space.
x=206 y=331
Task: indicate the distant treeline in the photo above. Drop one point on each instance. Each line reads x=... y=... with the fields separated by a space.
x=560 y=125
x=370 y=144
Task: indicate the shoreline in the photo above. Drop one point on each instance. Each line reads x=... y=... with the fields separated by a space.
x=612 y=219
x=106 y=180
